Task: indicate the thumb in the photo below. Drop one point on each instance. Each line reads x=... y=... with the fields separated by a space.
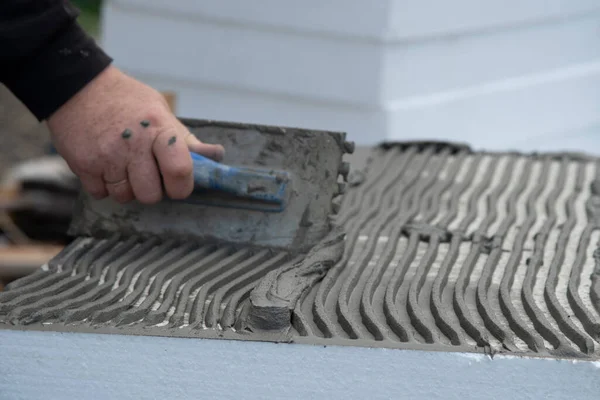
x=214 y=151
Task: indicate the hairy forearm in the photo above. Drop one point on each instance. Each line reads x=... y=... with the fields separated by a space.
x=45 y=56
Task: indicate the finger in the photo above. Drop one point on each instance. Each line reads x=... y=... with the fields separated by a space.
x=94 y=186
x=214 y=151
x=145 y=180
x=117 y=184
x=175 y=164
x=121 y=192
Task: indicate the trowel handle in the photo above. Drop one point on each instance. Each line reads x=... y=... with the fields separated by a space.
x=239 y=181
x=208 y=174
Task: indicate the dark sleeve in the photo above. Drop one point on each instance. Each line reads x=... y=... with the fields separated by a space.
x=45 y=56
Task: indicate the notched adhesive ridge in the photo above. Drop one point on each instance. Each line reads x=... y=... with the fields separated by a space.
x=435 y=246
x=275 y=296
x=451 y=247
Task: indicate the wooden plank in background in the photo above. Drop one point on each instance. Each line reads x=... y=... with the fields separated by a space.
x=18 y=261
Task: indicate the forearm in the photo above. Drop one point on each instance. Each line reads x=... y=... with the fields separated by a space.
x=45 y=56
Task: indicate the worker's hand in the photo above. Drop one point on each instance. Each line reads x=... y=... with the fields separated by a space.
x=120 y=137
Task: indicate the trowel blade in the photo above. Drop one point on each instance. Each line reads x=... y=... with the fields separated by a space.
x=313 y=158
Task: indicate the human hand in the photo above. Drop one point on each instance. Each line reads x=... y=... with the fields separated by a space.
x=120 y=137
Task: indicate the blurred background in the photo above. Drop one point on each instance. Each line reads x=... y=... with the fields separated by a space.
x=497 y=74
x=37 y=190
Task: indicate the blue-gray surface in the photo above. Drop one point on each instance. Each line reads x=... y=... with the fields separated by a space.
x=50 y=365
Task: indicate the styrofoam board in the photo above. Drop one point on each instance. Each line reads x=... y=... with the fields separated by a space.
x=83 y=366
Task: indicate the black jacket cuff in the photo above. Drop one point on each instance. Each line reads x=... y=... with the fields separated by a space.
x=59 y=71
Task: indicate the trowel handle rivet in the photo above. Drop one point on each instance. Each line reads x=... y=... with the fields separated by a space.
x=349 y=147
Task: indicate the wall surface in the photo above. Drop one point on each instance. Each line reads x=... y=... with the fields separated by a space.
x=49 y=365
x=499 y=75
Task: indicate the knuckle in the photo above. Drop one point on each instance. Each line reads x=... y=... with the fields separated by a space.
x=154 y=114
x=121 y=193
x=166 y=133
x=105 y=151
x=179 y=170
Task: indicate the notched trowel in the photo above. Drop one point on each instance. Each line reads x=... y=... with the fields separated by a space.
x=274 y=188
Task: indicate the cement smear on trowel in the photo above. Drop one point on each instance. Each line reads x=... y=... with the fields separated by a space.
x=444 y=249
x=313 y=158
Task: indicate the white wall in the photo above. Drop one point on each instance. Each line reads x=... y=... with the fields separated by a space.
x=499 y=73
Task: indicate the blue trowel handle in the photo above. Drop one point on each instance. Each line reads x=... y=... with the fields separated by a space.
x=263 y=185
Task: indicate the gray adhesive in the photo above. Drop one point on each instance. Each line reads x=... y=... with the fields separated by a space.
x=429 y=253
x=411 y=305
x=274 y=298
